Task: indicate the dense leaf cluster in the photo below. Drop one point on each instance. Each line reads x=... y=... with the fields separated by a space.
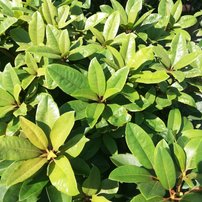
x=100 y=103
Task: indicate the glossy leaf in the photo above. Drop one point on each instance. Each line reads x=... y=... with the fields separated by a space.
x=10 y=81
x=161 y=53
x=187 y=21
x=7 y=23
x=149 y=77
x=37 y=29
x=93 y=182
x=124 y=159
x=151 y=189
x=174 y=120
x=140 y=144
x=62 y=176
x=52 y=35
x=29 y=189
x=44 y=51
x=96 y=78
x=55 y=195
x=118 y=7
x=64 y=43
x=164 y=165
x=116 y=82
x=6 y=98
x=95 y=19
x=16 y=148
x=130 y=174
x=177 y=10
x=35 y=134
x=180 y=156
x=111 y=26
x=133 y=10
x=186 y=60
x=47 y=113
x=22 y=170
x=82 y=52
x=140 y=57
x=67 y=78
x=61 y=129
x=75 y=145
x=191 y=150
x=49 y=11
x=178 y=48
x=93 y=112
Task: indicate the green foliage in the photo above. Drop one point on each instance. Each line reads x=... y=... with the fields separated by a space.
x=100 y=101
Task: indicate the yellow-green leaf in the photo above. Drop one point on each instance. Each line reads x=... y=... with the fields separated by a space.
x=61 y=129
x=35 y=134
x=62 y=176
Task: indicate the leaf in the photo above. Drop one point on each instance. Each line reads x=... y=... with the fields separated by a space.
x=174 y=120
x=6 y=98
x=64 y=43
x=133 y=11
x=47 y=113
x=187 y=21
x=128 y=47
x=6 y=8
x=4 y=110
x=130 y=174
x=6 y=23
x=61 y=129
x=180 y=156
x=148 y=77
x=35 y=134
x=96 y=198
x=62 y=176
x=96 y=78
x=82 y=52
x=151 y=189
x=116 y=82
x=21 y=170
x=186 y=99
x=93 y=182
x=140 y=57
x=16 y=148
x=176 y=10
x=140 y=144
x=191 y=150
x=93 y=112
x=95 y=19
x=124 y=159
x=116 y=56
x=187 y=60
x=37 y=29
x=52 y=36
x=155 y=122
x=63 y=13
x=165 y=7
x=164 y=166
x=55 y=195
x=45 y=51
x=31 y=189
x=67 y=78
x=178 y=48
x=118 y=7
x=10 y=80
x=75 y=145
x=109 y=187
x=49 y=11
x=111 y=26
x=196 y=197
x=161 y=53
x=116 y=115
